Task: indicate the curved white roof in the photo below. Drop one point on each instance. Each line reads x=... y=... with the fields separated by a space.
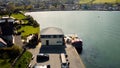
x=52 y=31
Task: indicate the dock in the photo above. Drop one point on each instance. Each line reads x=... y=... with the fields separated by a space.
x=74 y=57
x=55 y=61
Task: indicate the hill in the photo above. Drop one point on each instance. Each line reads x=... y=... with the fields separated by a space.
x=98 y=1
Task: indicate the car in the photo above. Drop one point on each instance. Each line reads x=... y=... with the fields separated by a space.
x=33 y=57
x=42 y=66
x=42 y=57
x=29 y=66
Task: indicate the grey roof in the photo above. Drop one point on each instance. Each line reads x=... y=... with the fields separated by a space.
x=52 y=31
x=3 y=20
x=2 y=43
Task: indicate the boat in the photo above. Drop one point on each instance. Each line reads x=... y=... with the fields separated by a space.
x=75 y=41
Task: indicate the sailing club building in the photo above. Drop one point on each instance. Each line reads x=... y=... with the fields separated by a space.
x=52 y=36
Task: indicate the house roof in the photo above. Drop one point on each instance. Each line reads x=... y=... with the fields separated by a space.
x=2 y=43
x=52 y=31
x=3 y=19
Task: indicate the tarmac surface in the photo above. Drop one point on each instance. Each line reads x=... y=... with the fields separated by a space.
x=54 y=56
x=74 y=57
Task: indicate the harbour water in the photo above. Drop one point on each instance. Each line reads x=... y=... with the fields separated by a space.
x=99 y=30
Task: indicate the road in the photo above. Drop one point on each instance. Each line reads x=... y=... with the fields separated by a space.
x=54 y=61
x=34 y=52
x=54 y=58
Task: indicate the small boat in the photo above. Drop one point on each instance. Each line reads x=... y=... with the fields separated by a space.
x=74 y=41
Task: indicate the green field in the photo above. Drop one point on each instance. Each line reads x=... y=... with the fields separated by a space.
x=5 y=63
x=98 y=1
x=84 y=1
x=18 y=16
x=29 y=30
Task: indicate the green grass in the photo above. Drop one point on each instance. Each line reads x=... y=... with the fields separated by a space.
x=29 y=30
x=24 y=60
x=104 y=1
x=5 y=63
x=99 y=1
x=84 y=1
x=18 y=16
x=7 y=59
x=118 y=1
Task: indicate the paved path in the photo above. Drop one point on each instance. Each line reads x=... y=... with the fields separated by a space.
x=17 y=40
x=54 y=58
x=35 y=51
x=54 y=61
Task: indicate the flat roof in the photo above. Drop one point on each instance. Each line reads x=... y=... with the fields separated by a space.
x=3 y=19
x=52 y=31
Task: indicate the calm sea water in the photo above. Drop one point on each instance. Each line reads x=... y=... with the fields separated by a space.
x=99 y=30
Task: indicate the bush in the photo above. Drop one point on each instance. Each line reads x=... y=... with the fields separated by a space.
x=24 y=60
x=31 y=21
x=10 y=53
x=35 y=24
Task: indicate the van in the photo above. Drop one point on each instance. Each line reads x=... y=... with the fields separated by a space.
x=64 y=62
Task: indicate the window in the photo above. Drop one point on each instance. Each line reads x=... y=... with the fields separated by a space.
x=59 y=41
x=42 y=36
x=60 y=36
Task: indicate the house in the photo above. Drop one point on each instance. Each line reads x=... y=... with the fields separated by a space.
x=52 y=36
x=6 y=29
x=2 y=8
x=2 y=43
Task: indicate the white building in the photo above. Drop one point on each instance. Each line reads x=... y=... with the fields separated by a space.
x=52 y=36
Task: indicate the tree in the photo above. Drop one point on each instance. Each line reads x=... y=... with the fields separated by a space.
x=10 y=8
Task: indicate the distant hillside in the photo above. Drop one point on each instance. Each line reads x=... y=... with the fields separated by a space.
x=99 y=1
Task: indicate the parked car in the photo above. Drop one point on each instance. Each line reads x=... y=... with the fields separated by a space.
x=33 y=57
x=42 y=57
x=29 y=66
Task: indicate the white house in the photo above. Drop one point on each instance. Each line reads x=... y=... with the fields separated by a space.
x=52 y=36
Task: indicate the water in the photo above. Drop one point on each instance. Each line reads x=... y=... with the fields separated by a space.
x=99 y=30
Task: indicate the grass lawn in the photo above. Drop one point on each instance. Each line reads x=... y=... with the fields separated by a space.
x=29 y=30
x=118 y=1
x=24 y=60
x=99 y=1
x=18 y=16
x=104 y=1
x=84 y=1
x=4 y=64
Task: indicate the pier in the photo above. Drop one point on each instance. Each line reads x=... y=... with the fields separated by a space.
x=74 y=57
x=54 y=58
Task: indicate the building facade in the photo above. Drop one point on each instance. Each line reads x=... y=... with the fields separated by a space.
x=52 y=36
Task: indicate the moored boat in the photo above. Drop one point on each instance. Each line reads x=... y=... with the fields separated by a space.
x=74 y=41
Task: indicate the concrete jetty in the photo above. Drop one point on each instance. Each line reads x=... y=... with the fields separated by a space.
x=74 y=57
